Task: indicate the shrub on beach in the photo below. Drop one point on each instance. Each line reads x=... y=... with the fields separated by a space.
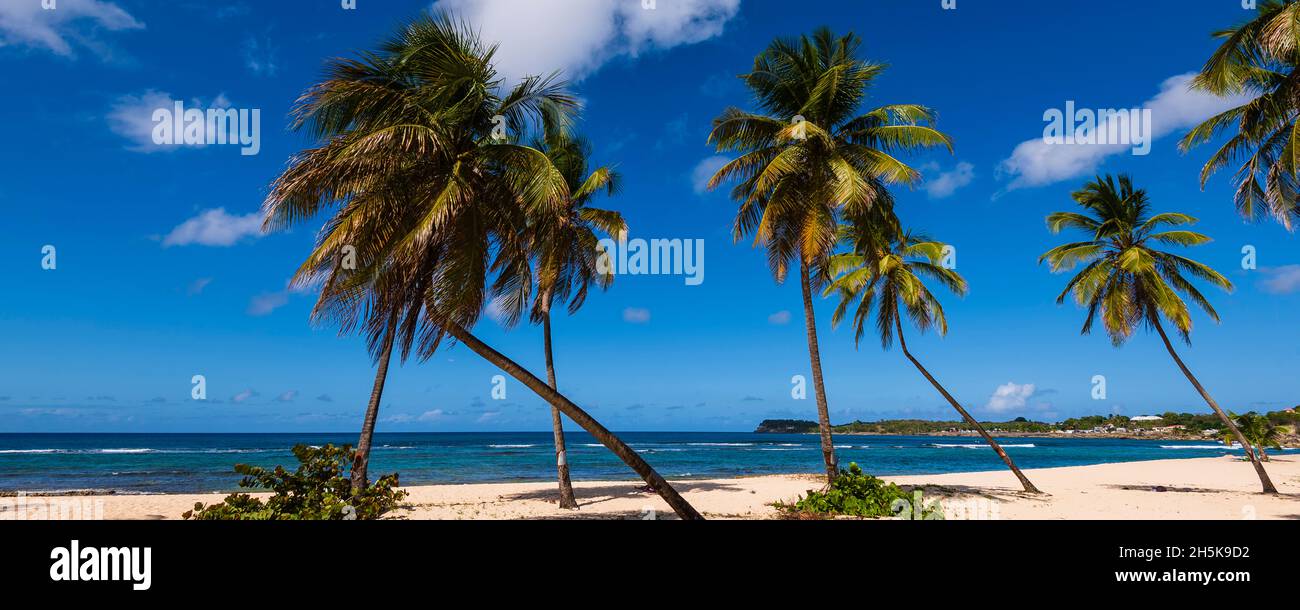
x=318 y=490
x=853 y=493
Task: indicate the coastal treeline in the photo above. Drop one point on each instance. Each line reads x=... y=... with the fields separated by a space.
x=1173 y=424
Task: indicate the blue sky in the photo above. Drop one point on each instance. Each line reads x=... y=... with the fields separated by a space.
x=161 y=275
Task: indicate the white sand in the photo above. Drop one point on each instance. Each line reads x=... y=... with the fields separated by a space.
x=1202 y=488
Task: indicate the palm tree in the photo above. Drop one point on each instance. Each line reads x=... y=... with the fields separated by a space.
x=883 y=271
x=566 y=248
x=1261 y=432
x=807 y=158
x=420 y=176
x=1128 y=282
x=1257 y=59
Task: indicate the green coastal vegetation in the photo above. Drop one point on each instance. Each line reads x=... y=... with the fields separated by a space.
x=444 y=189
x=1276 y=424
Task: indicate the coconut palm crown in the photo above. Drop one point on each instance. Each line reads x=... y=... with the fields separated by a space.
x=885 y=269
x=809 y=154
x=1257 y=60
x=1125 y=280
x=888 y=279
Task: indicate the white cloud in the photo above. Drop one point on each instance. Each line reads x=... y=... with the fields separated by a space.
x=487 y=417
x=215 y=228
x=579 y=36
x=1281 y=280
x=1010 y=396
x=243 y=396
x=196 y=287
x=131 y=116
x=433 y=415
x=1038 y=163
x=780 y=318
x=24 y=23
x=948 y=182
x=289 y=396
x=265 y=304
x=704 y=170
x=636 y=315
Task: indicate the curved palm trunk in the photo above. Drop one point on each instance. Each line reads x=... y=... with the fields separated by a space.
x=361 y=461
x=1024 y=481
x=630 y=457
x=567 y=499
x=819 y=388
x=1241 y=438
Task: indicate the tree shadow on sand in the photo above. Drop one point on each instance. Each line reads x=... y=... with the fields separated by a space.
x=960 y=492
x=593 y=495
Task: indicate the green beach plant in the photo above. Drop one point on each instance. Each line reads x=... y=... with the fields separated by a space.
x=807 y=156
x=320 y=489
x=1258 y=60
x=420 y=173
x=852 y=493
x=885 y=272
x=1129 y=283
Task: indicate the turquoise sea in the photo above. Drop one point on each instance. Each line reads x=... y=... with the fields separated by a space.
x=158 y=463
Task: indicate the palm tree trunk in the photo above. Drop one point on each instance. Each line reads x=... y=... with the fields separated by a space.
x=630 y=457
x=819 y=388
x=361 y=461
x=567 y=499
x=1024 y=481
x=1245 y=444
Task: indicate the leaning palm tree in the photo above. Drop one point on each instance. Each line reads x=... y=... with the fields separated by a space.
x=1258 y=60
x=807 y=157
x=1128 y=282
x=883 y=271
x=565 y=243
x=418 y=173
x=1261 y=432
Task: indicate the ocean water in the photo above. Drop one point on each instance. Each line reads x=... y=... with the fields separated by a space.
x=160 y=463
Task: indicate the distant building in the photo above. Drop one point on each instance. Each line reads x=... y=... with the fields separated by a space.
x=1146 y=418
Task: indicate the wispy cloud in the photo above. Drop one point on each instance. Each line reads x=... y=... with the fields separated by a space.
x=780 y=318
x=704 y=171
x=636 y=315
x=215 y=228
x=1281 y=280
x=947 y=183
x=25 y=23
x=265 y=304
x=196 y=287
x=261 y=56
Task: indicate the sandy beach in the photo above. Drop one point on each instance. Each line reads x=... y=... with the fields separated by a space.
x=1201 y=488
